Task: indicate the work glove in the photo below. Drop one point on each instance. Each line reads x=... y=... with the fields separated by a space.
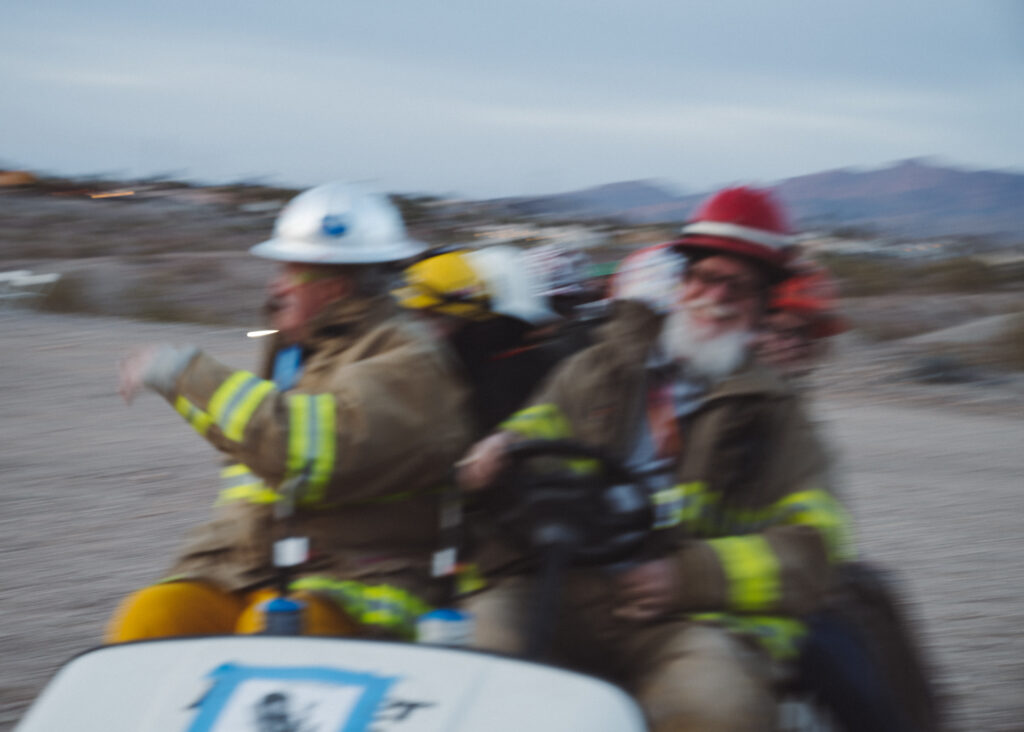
x=155 y=367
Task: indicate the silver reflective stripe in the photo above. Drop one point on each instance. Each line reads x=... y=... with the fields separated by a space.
x=240 y=484
x=311 y=442
x=195 y=416
x=234 y=401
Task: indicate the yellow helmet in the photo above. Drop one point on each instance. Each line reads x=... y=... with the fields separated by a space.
x=446 y=283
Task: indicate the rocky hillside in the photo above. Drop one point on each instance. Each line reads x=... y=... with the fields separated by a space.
x=913 y=198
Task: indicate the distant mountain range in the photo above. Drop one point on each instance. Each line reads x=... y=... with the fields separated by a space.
x=910 y=199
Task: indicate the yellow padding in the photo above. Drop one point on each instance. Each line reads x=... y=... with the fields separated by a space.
x=319 y=617
x=174 y=609
x=180 y=608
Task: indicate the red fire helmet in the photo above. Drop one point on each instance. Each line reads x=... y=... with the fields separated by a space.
x=743 y=221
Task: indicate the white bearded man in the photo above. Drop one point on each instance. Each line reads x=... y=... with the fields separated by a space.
x=747 y=531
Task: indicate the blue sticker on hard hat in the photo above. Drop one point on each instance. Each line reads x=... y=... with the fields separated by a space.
x=304 y=698
x=334 y=225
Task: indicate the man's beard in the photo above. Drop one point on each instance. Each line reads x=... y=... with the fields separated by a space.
x=702 y=354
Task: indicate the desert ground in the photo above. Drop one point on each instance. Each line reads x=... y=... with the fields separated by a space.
x=97 y=496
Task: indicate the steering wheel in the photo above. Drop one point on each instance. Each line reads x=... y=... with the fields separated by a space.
x=565 y=495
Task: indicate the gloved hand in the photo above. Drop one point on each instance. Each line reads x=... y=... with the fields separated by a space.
x=156 y=367
x=484 y=461
x=648 y=590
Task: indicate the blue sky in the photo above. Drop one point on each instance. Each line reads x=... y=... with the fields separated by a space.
x=484 y=99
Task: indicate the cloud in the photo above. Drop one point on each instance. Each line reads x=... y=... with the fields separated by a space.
x=457 y=96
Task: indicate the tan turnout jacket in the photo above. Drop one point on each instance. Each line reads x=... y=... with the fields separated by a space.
x=366 y=437
x=750 y=525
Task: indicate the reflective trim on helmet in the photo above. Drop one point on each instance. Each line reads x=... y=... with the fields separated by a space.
x=751 y=571
x=235 y=401
x=736 y=231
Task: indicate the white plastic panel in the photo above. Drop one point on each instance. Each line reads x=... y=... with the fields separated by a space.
x=227 y=684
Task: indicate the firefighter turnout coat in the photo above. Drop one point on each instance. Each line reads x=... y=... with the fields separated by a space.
x=751 y=528
x=360 y=447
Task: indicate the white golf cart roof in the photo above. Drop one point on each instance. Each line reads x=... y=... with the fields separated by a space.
x=304 y=684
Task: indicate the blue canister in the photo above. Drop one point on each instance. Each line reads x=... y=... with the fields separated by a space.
x=282 y=616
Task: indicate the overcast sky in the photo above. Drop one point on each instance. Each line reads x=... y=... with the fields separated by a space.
x=482 y=98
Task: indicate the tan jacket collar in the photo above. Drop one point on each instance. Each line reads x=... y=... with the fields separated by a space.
x=348 y=318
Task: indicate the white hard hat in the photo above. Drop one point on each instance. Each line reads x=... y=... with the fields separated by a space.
x=339 y=223
x=505 y=271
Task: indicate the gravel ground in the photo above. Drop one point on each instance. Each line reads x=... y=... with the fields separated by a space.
x=97 y=496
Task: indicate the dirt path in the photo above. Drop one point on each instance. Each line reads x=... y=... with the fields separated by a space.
x=96 y=497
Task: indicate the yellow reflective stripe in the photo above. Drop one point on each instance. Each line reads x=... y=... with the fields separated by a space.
x=254 y=493
x=325 y=440
x=243 y=485
x=699 y=511
x=668 y=507
x=298 y=432
x=679 y=504
x=468 y=578
x=234 y=402
x=820 y=510
x=311 y=442
x=237 y=469
x=383 y=605
x=751 y=571
x=544 y=421
x=777 y=635
x=240 y=415
x=195 y=416
x=547 y=422
x=226 y=392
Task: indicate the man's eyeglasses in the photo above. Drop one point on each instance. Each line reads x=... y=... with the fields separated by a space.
x=737 y=286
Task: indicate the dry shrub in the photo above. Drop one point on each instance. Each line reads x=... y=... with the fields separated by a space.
x=154 y=300
x=962 y=274
x=69 y=294
x=1007 y=349
x=860 y=276
x=890 y=330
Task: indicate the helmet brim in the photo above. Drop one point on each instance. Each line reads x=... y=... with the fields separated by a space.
x=772 y=262
x=287 y=250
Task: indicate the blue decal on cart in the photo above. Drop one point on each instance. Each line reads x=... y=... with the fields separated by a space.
x=302 y=699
